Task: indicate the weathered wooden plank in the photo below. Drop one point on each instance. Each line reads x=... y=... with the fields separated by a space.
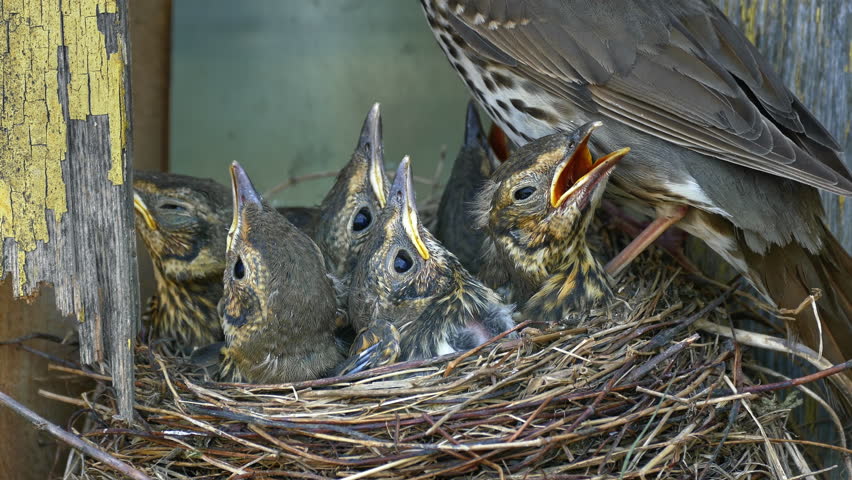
x=26 y=452
x=65 y=212
x=808 y=43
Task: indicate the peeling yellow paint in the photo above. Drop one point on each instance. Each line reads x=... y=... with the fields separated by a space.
x=848 y=68
x=33 y=140
x=748 y=14
x=117 y=136
x=5 y=203
x=97 y=79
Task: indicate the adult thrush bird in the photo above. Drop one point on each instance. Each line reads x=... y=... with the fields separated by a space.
x=407 y=278
x=183 y=222
x=472 y=167
x=536 y=210
x=720 y=145
x=278 y=309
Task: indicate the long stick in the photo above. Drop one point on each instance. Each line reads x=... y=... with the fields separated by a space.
x=768 y=342
x=71 y=439
x=793 y=382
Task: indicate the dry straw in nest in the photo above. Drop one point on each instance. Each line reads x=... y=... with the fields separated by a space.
x=638 y=394
x=640 y=391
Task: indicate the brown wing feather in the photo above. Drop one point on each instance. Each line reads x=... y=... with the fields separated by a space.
x=788 y=274
x=678 y=70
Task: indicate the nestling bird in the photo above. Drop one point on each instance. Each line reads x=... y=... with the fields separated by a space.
x=302 y=218
x=474 y=164
x=278 y=309
x=349 y=210
x=201 y=211
x=406 y=277
x=341 y=223
x=183 y=222
x=719 y=145
x=536 y=210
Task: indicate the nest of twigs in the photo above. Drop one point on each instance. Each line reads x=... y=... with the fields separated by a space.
x=640 y=391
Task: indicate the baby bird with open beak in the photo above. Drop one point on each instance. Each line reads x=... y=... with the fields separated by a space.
x=278 y=309
x=536 y=210
x=408 y=279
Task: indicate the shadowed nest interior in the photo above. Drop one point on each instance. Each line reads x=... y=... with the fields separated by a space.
x=640 y=391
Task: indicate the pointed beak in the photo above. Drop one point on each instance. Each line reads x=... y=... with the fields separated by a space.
x=473 y=134
x=244 y=193
x=142 y=210
x=579 y=173
x=474 y=137
x=403 y=191
x=371 y=141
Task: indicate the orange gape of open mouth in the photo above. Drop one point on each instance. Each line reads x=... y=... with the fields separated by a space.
x=580 y=170
x=499 y=142
x=576 y=168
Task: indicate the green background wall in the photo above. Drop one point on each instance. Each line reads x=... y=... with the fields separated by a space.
x=283 y=86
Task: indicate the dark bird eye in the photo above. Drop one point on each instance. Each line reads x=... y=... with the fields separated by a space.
x=524 y=193
x=239 y=269
x=172 y=206
x=362 y=219
x=402 y=263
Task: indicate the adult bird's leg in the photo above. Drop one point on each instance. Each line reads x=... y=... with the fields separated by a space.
x=671 y=241
x=644 y=239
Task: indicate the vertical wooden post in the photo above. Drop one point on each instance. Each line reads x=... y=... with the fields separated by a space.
x=65 y=203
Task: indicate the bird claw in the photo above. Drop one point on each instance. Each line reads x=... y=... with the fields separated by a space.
x=376 y=346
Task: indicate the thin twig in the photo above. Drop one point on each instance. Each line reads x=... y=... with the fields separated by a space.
x=452 y=365
x=72 y=440
x=665 y=337
x=668 y=353
x=779 y=345
x=33 y=336
x=769 y=387
x=297 y=180
x=736 y=439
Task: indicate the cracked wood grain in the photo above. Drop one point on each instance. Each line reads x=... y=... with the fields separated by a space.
x=65 y=212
